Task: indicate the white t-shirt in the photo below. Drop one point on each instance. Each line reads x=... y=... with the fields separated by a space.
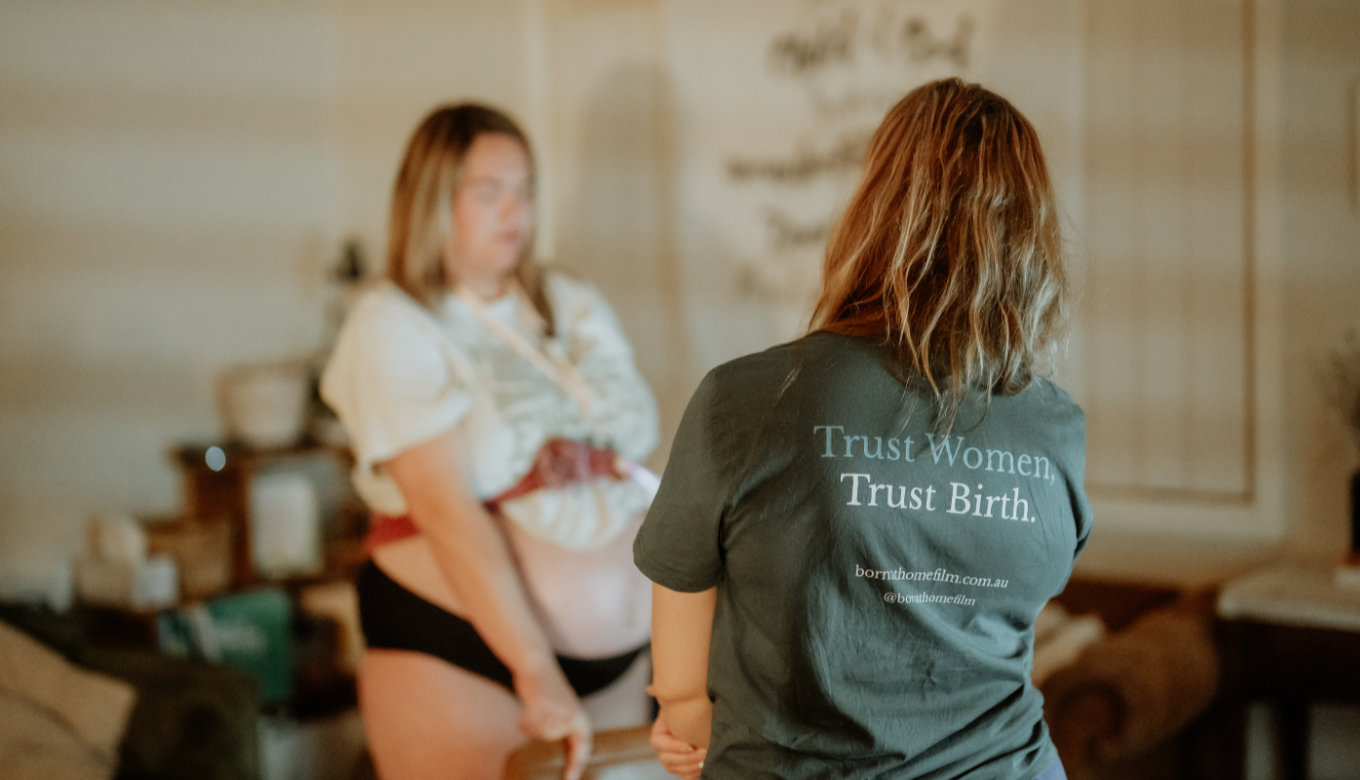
x=402 y=374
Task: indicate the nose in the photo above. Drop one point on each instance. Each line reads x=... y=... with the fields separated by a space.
x=512 y=207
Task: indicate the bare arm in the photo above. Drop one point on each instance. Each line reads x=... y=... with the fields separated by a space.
x=682 y=627
x=475 y=558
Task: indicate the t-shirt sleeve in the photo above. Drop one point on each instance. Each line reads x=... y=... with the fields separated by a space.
x=680 y=543
x=1081 y=504
x=1065 y=422
x=391 y=381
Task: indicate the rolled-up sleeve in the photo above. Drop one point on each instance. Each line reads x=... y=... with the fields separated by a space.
x=390 y=380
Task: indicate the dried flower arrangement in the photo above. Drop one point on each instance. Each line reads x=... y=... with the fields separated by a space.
x=1341 y=384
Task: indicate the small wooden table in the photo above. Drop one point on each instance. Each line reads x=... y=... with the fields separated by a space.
x=1291 y=636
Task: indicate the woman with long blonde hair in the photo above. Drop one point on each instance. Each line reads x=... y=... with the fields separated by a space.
x=487 y=401
x=856 y=530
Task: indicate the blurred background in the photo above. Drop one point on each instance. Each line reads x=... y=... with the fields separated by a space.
x=181 y=185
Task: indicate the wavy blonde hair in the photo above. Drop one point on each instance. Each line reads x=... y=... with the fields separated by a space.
x=421 y=216
x=950 y=249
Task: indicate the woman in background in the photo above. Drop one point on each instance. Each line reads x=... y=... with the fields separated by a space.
x=856 y=530
x=478 y=391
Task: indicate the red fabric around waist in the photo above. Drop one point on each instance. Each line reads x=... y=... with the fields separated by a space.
x=559 y=462
x=385 y=529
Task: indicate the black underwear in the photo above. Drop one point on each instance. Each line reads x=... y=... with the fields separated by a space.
x=394 y=618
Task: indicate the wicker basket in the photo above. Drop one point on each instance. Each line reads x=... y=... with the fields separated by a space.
x=204 y=550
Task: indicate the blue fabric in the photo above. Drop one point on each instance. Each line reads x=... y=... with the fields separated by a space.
x=1054 y=772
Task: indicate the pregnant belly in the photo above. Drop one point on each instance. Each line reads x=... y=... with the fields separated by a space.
x=594 y=602
x=591 y=603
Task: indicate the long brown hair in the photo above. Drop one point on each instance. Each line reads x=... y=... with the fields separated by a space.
x=950 y=249
x=421 y=216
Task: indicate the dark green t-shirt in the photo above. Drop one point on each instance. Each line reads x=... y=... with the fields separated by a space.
x=877 y=583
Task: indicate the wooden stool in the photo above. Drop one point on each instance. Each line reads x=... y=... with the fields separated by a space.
x=618 y=754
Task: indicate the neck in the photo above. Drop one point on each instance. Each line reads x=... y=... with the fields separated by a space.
x=488 y=289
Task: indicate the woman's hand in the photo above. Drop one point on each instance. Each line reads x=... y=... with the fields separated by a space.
x=551 y=712
x=475 y=557
x=678 y=756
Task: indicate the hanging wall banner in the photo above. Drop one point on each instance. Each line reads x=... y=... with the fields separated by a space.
x=777 y=104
